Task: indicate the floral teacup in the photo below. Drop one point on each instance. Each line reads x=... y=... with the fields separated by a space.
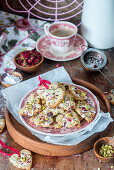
x=62 y=36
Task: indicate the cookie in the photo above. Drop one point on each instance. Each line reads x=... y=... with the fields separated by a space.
x=86 y=111
x=31 y=107
x=50 y=112
x=22 y=162
x=2 y=124
x=68 y=119
x=57 y=125
x=68 y=102
x=52 y=96
x=68 y=105
x=77 y=93
x=68 y=96
x=41 y=120
x=110 y=96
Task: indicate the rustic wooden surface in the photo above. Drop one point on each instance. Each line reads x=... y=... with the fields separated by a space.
x=84 y=161
x=23 y=137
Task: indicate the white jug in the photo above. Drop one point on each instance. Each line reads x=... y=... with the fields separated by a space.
x=97 y=23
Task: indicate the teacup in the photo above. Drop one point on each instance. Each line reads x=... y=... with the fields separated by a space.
x=62 y=36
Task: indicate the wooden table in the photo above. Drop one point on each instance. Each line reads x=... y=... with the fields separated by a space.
x=84 y=161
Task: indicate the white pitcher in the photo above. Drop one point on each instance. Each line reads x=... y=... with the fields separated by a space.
x=97 y=23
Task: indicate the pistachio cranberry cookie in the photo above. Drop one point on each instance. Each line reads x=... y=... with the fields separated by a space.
x=22 y=162
x=41 y=120
x=52 y=96
x=78 y=93
x=68 y=102
x=50 y=112
x=68 y=119
x=32 y=106
x=86 y=111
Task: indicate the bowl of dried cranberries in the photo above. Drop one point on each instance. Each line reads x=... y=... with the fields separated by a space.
x=28 y=61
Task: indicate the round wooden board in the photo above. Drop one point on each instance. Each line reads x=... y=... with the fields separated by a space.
x=24 y=137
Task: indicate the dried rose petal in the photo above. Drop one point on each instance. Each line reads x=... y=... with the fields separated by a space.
x=32 y=58
x=69 y=119
x=32 y=50
x=26 y=55
x=58 y=65
x=22 y=64
x=19 y=61
x=38 y=57
x=28 y=65
x=26 y=60
x=36 y=61
x=37 y=53
x=29 y=61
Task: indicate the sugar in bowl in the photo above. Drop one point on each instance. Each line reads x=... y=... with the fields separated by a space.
x=10 y=78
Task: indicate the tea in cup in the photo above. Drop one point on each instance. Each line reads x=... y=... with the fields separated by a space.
x=62 y=36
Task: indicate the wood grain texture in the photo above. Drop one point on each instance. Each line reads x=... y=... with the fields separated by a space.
x=24 y=138
x=86 y=160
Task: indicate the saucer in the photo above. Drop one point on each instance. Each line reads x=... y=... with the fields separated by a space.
x=43 y=45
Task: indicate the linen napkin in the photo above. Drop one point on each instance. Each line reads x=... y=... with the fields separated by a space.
x=15 y=93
